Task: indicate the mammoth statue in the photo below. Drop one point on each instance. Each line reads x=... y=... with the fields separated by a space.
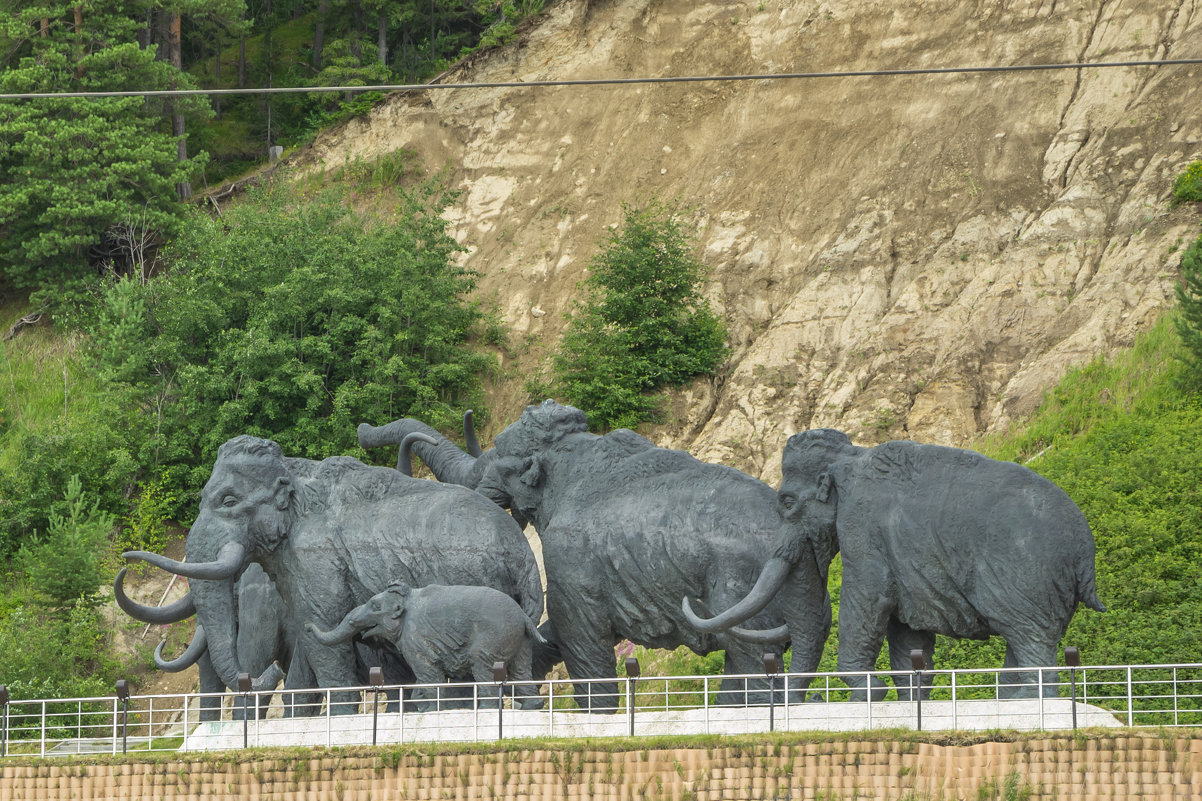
x=935 y=540
x=331 y=534
x=447 y=631
x=627 y=529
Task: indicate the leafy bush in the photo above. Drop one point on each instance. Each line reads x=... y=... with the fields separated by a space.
x=44 y=656
x=295 y=319
x=642 y=324
x=1187 y=187
x=1189 y=320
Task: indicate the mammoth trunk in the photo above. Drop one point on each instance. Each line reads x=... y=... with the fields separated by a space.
x=216 y=613
x=445 y=459
x=341 y=633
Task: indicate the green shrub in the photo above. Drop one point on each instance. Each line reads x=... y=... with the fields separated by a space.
x=56 y=656
x=1189 y=319
x=1187 y=187
x=66 y=566
x=642 y=324
x=295 y=319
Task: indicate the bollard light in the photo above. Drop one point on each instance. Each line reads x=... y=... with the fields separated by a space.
x=499 y=675
x=3 y=720
x=633 y=671
x=1072 y=658
x=122 y=689
x=244 y=688
x=918 y=662
x=375 y=677
x=771 y=667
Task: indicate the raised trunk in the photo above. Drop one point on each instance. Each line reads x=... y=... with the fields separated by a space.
x=343 y=632
x=448 y=463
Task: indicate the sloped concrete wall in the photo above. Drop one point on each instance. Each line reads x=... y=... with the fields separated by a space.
x=1088 y=768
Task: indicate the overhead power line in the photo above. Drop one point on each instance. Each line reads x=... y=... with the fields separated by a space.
x=785 y=76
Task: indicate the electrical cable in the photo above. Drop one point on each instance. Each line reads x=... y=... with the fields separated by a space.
x=788 y=76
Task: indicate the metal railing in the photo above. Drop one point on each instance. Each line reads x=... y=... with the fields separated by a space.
x=1034 y=699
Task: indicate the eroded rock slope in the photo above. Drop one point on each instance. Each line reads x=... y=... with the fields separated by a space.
x=907 y=256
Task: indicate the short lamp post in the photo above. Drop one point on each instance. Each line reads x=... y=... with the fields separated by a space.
x=3 y=720
x=633 y=671
x=122 y=689
x=918 y=662
x=244 y=688
x=1072 y=658
x=771 y=668
x=500 y=674
x=375 y=677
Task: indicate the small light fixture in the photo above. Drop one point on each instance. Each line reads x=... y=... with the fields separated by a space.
x=499 y=672
x=375 y=676
x=771 y=663
x=1072 y=657
x=243 y=682
x=918 y=661
x=3 y=694
x=633 y=671
x=123 y=689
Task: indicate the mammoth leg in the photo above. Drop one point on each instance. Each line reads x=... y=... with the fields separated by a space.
x=524 y=689
x=334 y=666
x=210 y=682
x=1023 y=652
x=545 y=655
x=902 y=640
x=863 y=617
x=426 y=699
x=300 y=677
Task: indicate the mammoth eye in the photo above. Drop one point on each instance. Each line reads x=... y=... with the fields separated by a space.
x=229 y=500
x=788 y=501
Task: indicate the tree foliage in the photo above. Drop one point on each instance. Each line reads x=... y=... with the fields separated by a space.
x=641 y=325
x=1189 y=320
x=74 y=170
x=295 y=319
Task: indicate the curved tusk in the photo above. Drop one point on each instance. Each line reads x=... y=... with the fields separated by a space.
x=775 y=571
x=182 y=609
x=469 y=435
x=193 y=652
x=404 y=462
x=761 y=636
x=230 y=560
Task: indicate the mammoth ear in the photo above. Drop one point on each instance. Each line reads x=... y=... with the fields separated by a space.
x=282 y=493
x=533 y=475
x=823 y=493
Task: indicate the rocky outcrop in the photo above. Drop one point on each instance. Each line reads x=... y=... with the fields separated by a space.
x=904 y=256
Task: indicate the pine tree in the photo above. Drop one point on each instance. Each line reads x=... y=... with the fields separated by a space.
x=77 y=172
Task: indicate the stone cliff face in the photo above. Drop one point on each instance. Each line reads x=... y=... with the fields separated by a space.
x=899 y=257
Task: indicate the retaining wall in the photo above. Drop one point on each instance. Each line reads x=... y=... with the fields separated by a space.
x=1087 y=767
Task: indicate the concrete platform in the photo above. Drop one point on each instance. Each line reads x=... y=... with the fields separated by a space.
x=465 y=726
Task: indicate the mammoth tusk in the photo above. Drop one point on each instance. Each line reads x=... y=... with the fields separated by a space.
x=404 y=462
x=761 y=636
x=469 y=435
x=182 y=609
x=185 y=660
x=230 y=560
x=775 y=571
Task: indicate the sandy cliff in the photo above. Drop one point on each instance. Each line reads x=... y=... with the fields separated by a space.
x=916 y=256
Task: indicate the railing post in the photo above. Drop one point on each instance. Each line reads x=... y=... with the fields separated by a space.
x=329 y=717
x=186 y=732
x=1130 y=701
x=868 y=696
x=705 y=700
x=42 y=752
x=115 y=704
x=955 y=718
x=1175 y=697
x=786 y=702
x=1039 y=688
x=3 y=720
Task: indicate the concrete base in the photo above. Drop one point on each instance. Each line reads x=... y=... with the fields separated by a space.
x=466 y=726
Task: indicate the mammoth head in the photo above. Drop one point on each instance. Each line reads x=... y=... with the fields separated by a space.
x=380 y=617
x=540 y=427
x=249 y=497
x=809 y=491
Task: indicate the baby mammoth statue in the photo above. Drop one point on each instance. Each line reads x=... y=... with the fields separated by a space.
x=446 y=632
